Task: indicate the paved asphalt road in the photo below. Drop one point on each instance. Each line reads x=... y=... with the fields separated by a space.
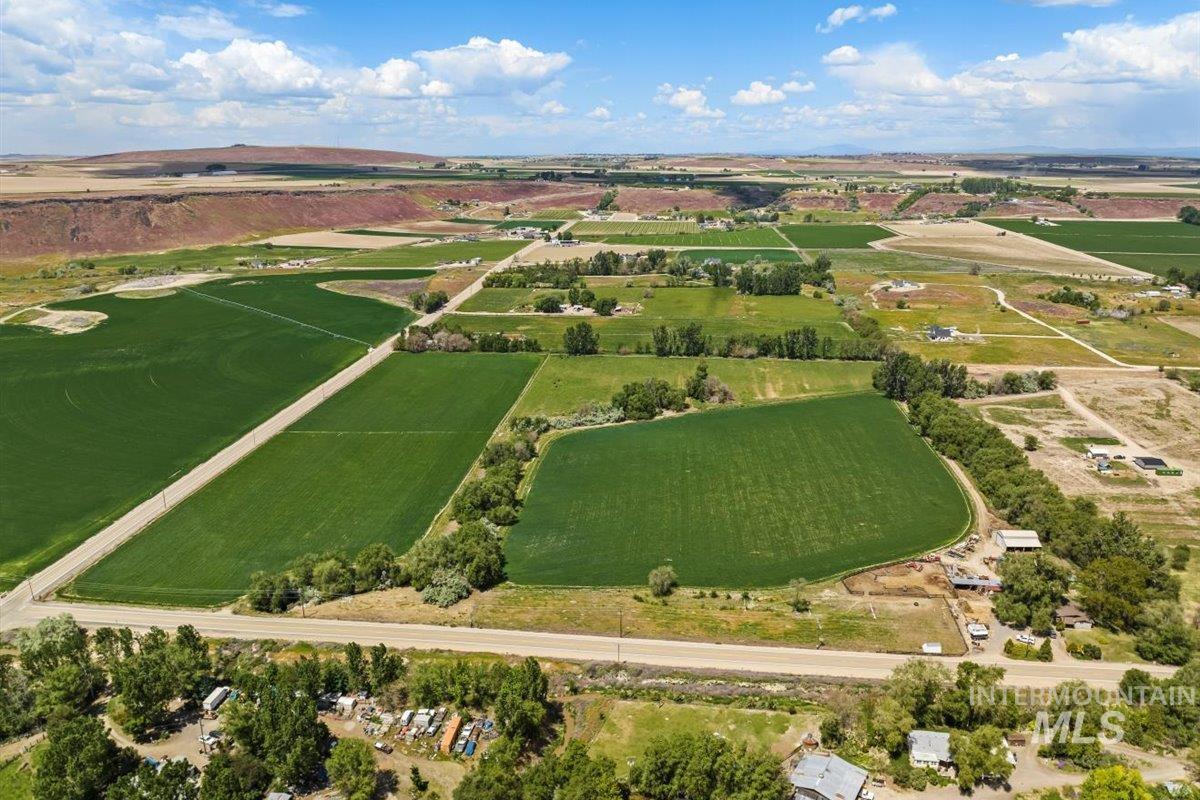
x=572 y=647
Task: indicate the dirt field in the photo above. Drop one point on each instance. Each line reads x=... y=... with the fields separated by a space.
x=823 y=200
x=551 y=252
x=1029 y=206
x=900 y=580
x=394 y=292
x=976 y=241
x=350 y=241
x=646 y=201
x=1186 y=324
x=880 y=202
x=1147 y=414
x=1134 y=207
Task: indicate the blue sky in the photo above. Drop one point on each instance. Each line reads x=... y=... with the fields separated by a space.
x=88 y=76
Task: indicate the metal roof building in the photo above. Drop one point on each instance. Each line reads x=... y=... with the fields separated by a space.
x=1017 y=540
x=929 y=748
x=827 y=777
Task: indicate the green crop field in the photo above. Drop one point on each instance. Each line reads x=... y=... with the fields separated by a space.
x=544 y=224
x=742 y=256
x=98 y=421
x=565 y=383
x=722 y=312
x=739 y=237
x=374 y=463
x=736 y=498
x=1151 y=246
x=832 y=237
x=646 y=228
x=433 y=254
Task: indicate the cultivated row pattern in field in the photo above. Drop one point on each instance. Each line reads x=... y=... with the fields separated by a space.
x=745 y=497
x=374 y=463
x=95 y=422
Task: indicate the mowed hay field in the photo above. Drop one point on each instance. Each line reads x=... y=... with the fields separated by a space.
x=374 y=463
x=745 y=497
x=565 y=383
x=433 y=254
x=1150 y=246
x=93 y=423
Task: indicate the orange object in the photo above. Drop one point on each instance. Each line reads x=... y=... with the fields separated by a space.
x=450 y=735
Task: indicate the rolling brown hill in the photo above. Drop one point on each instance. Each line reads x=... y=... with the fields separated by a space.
x=96 y=226
x=256 y=154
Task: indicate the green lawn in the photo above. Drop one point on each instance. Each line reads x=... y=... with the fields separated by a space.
x=99 y=421
x=736 y=498
x=565 y=383
x=16 y=780
x=820 y=236
x=374 y=463
x=543 y=224
x=740 y=237
x=431 y=255
x=722 y=312
x=742 y=256
x=1150 y=246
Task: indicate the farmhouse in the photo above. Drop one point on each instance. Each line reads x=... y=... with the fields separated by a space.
x=1017 y=541
x=1072 y=616
x=929 y=749
x=1150 y=463
x=827 y=777
x=1096 y=451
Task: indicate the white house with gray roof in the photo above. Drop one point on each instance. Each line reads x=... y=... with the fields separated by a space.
x=929 y=749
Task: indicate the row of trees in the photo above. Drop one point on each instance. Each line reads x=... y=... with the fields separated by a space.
x=452 y=338
x=324 y=576
x=1072 y=297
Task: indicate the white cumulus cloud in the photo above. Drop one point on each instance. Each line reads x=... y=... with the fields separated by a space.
x=253 y=68
x=796 y=87
x=1007 y=57
x=552 y=108
x=757 y=94
x=396 y=77
x=846 y=54
x=599 y=112
x=692 y=102
x=855 y=13
x=484 y=66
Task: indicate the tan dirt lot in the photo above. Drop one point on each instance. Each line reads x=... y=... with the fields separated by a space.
x=350 y=241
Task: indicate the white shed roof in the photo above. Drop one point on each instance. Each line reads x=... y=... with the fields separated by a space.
x=1009 y=539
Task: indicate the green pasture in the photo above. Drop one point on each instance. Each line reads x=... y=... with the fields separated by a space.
x=739 y=237
x=638 y=228
x=564 y=383
x=93 y=423
x=1155 y=263
x=433 y=254
x=821 y=236
x=375 y=463
x=742 y=256
x=722 y=312
x=737 y=498
x=1151 y=246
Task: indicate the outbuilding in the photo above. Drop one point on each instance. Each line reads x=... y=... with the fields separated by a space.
x=346 y=704
x=938 y=333
x=824 y=776
x=1022 y=541
x=1150 y=463
x=1096 y=451
x=215 y=699
x=929 y=749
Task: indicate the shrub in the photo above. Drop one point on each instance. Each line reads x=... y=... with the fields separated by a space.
x=662 y=581
x=447 y=587
x=548 y=304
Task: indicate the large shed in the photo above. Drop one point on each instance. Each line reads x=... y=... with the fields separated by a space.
x=824 y=776
x=1017 y=541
